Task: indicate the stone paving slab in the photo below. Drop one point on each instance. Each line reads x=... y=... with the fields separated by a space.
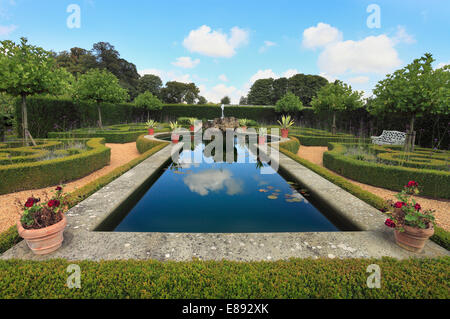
x=81 y=242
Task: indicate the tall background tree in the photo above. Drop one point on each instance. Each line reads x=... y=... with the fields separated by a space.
x=99 y=86
x=261 y=92
x=337 y=97
x=150 y=83
x=414 y=91
x=225 y=100
x=28 y=70
x=177 y=92
x=148 y=101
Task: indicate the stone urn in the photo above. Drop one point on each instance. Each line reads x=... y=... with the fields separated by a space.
x=45 y=240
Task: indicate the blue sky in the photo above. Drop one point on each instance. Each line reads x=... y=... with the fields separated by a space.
x=223 y=46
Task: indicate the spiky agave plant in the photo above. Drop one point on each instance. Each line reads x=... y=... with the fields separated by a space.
x=286 y=122
x=243 y=122
x=173 y=125
x=151 y=123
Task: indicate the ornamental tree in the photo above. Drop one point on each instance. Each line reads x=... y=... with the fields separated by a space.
x=337 y=97
x=148 y=101
x=100 y=86
x=289 y=103
x=27 y=70
x=414 y=91
x=226 y=100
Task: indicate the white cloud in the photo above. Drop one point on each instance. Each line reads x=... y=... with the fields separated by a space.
x=442 y=64
x=186 y=62
x=267 y=44
x=372 y=54
x=214 y=43
x=219 y=91
x=168 y=75
x=402 y=36
x=290 y=73
x=6 y=30
x=223 y=78
x=358 y=80
x=320 y=36
x=213 y=180
x=263 y=74
x=327 y=76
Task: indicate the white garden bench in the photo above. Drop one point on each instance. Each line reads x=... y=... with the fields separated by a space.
x=389 y=138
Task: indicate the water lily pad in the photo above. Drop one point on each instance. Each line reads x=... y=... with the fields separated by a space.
x=263 y=190
x=270 y=187
x=277 y=190
x=272 y=197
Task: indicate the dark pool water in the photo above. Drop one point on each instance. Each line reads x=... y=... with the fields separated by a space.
x=223 y=197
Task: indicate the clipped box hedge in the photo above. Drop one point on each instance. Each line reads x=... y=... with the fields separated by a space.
x=441 y=236
x=434 y=183
x=31 y=175
x=315 y=137
x=287 y=279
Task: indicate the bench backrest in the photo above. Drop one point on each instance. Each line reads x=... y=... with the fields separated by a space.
x=393 y=135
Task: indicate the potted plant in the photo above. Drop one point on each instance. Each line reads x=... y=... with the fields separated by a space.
x=151 y=124
x=43 y=222
x=413 y=225
x=175 y=136
x=285 y=124
x=243 y=123
x=262 y=132
x=192 y=123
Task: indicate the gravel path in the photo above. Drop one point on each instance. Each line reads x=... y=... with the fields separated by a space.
x=314 y=154
x=9 y=212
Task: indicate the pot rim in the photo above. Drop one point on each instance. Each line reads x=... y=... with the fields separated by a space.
x=42 y=232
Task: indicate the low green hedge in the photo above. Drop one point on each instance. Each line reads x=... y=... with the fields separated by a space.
x=8 y=239
x=293 y=145
x=291 y=279
x=434 y=183
x=144 y=144
x=441 y=236
x=315 y=137
x=30 y=175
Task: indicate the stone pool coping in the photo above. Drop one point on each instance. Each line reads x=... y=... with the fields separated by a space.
x=82 y=243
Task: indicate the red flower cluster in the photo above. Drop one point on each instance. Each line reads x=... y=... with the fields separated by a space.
x=53 y=203
x=417 y=207
x=58 y=189
x=412 y=184
x=399 y=204
x=389 y=223
x=31 y=201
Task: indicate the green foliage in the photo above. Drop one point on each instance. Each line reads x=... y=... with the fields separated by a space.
x=151 y=83
x=144 y=144
x=148 y=100
x=314 y=137
x=99 y=86
x=257 y=113
x=30 y=175
x=337 y=96
x=178 y=92
x=306 y=86
x=293 y=145
x=261 y=92
x=441 y=236
x=8 y=239
x=226 y=100
x=285 y=279
x=289 y=103
x=26 y=70
x=415 y=90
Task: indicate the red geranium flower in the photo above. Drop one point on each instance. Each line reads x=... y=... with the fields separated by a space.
x=412 y=184
x=389 y=223
x=417 y=207
x=399 y=204
x=59 y=188
x=53 y=203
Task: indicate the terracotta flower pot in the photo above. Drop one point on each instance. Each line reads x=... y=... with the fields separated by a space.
x=284 y=132
x=244 y=128
x=45 y=240
x=175 y=138
x=261 y=140
x=413 y=239
x=191 y=128
x=151 y=131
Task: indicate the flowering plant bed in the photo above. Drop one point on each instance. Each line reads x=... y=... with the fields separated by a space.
x=413 y=226
x=43 y=222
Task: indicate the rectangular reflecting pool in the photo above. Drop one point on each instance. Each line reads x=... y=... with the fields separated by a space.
x=221 y=197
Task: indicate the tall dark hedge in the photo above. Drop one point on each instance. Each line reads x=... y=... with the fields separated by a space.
x=51 y=114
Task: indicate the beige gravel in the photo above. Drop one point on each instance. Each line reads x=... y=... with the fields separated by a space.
x=314 y=154
x=9 y=212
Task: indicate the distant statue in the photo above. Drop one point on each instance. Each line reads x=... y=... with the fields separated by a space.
x=223 y=108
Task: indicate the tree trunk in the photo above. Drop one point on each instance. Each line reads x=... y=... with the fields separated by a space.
x=100 y=124
x=333 y=128
x=411 y=136
x=24 y=119
x=148 y=115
